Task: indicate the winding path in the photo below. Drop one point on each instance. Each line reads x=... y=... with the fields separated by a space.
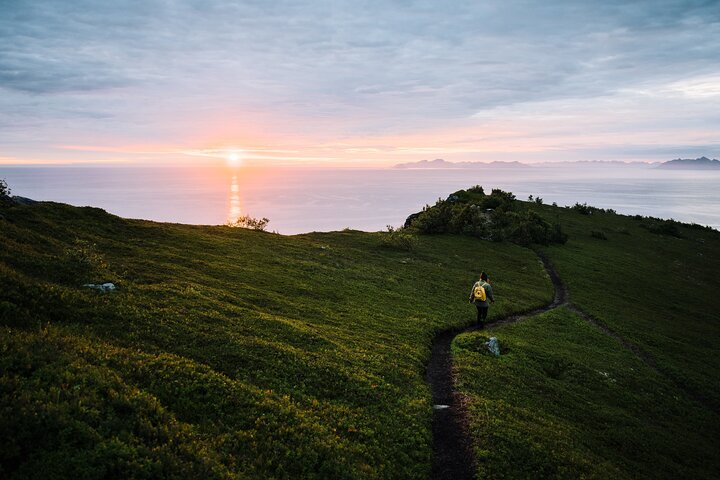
x=452 y=448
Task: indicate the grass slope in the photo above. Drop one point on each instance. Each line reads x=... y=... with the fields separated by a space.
x=658 y=291
x=567 y=400
x=226 y=353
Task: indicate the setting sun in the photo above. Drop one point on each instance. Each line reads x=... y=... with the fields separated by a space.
x=233 y=159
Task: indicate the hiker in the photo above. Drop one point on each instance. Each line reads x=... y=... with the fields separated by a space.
x=480 y=295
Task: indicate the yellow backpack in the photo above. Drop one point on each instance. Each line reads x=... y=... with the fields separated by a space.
x=479 y=293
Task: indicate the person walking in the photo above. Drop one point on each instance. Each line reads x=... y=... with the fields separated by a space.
x=482 y=295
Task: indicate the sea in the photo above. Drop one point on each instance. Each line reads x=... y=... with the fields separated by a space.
x=304 y=199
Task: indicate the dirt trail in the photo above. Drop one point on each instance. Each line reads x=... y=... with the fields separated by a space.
x=452 y=449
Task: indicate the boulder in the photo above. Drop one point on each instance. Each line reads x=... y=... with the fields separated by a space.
x=409 y=220
x=493 y=346
x=103 y=287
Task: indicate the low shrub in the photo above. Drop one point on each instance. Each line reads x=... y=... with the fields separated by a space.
x=84 y=262
x=598 y=235
x=398 y=239
x=498 y=217
x=246 y=221
x=583 y=209
x=435 y=219
x=526 y=228
x=662 y=227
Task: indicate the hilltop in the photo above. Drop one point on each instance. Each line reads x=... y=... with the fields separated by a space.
x=233 y=353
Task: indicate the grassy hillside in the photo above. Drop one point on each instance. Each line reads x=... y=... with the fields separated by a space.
x=631 y=389
x=230 y=353
x=662 y=281
x=226 y=353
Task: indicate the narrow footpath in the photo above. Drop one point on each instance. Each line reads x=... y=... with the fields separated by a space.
x=453 y=458
x=452 y=448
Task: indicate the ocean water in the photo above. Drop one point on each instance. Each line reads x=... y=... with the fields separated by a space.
x=298 y=200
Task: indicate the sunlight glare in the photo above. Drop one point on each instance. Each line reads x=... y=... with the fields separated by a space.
x=235 y=210
x=233 y=159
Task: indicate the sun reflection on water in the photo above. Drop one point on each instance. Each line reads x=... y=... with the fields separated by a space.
x=235 y=210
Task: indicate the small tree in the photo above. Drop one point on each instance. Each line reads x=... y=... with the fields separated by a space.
x=583 y=209
x=246 y=221
x=4 y=190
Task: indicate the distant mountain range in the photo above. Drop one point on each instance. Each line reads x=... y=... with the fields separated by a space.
x=702 y=163
x=440 y=163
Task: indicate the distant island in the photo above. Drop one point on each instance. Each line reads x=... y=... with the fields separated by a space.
x=702 y=163
x=440 y=163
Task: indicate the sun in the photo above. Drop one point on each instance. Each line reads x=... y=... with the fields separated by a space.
x=233 y=158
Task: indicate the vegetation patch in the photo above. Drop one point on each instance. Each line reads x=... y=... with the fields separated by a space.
x=662 y=227
x=231 y=353
x=655 y=291
x=566 y=401
x=227 y=352
x=252 y=223
x=398 y=239
x=84 y=262
x=497 y=217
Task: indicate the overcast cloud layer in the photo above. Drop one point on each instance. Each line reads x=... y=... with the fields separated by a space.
x=358 y=81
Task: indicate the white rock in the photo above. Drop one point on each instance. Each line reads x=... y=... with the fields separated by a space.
x=493 y=346
x=104 y=287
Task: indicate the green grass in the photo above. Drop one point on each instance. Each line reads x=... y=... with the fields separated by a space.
x=659 y=292
x=567 y=400
x=227 y=353
x=230 y=353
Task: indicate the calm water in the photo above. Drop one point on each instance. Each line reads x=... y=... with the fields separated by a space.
x=301 y=200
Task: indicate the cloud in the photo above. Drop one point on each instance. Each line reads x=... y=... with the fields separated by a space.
x=329 y=70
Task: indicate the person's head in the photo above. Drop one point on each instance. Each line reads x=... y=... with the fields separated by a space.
x=483 y=276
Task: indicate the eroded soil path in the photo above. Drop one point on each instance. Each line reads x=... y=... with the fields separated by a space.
x=452 y=448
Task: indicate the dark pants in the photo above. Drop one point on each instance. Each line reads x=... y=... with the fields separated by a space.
x=482 y=313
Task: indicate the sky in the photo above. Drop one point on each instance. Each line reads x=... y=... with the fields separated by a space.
x=357 y=82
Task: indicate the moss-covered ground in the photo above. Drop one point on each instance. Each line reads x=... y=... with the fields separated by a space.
x=226 y=353
x=229 y=353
